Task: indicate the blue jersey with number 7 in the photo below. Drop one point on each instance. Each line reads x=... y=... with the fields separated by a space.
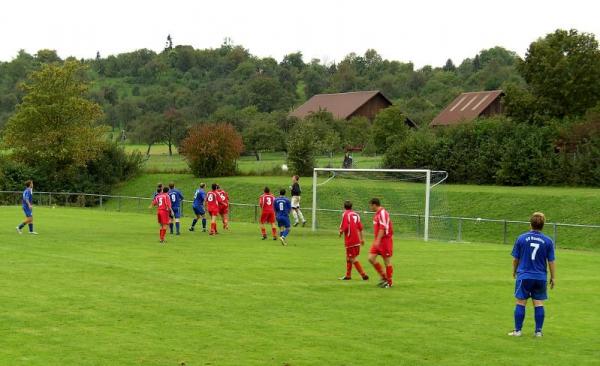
x=533 y=250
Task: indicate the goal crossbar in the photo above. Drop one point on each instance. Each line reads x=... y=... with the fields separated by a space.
x=428 y=186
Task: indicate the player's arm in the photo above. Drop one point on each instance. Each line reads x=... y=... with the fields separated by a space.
x=515 y=263
x=552 y=267
x=378 y=238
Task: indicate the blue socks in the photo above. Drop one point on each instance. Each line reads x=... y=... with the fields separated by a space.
x=22 y=225
x=204 y=223
x=30 y=228
x=194 y=222
x=171 y=228
x=519 y=317
x=177 y=227
x=284 y=233
x=539 y=318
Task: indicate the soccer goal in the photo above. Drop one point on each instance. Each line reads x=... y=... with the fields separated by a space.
x=417 y=206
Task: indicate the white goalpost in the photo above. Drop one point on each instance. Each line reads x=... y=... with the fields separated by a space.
x=398 y=188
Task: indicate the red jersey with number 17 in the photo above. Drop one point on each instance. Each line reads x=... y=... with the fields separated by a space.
x=351 y=227
x=266 y=202
x=163 y=202
x=212 y=201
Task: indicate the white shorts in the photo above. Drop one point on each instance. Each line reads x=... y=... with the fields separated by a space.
x=295 y=201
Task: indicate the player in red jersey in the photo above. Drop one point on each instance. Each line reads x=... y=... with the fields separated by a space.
x=352 y=228
x=383 y=244
x=163 y=202
x=266 y=201
x=223 y=206
x=212 y=204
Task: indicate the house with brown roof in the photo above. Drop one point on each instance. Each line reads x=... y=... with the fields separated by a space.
x=347 y=105
x=469 y=106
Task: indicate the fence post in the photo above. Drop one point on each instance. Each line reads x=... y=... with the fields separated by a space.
x=460 y=229
x=555 y=234
x=50 y=199
x=138 y=203
x=505 y=231
x=100 y=201
x=418 y=225
x=119 y=206
x=255 y=212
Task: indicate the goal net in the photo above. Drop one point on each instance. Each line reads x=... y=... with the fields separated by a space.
x=413 y=197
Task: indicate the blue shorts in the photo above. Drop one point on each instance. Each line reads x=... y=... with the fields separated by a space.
x=28 y=212
x=177 y=212
x=198 y=210
x=536 y=289
x=283 y=222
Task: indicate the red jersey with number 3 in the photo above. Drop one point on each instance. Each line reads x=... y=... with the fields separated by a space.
x=212 y=201
x=266 y=202
x=163 y=202
x=351 y=227
x=381 y=221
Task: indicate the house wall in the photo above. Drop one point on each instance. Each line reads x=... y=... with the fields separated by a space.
x=494 y=108
x=371 y=108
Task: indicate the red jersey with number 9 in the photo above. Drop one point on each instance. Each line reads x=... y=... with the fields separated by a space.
x=351 y=227
x=212 y=201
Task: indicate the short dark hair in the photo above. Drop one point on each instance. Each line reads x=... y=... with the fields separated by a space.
x=165 y=189
x=202 y=185
x=267 y=190
x=218 y=186
x=171 y=185
x=214 y=186
x=375 y=201
x=348 y=205
x=159 y=185
x=28 y=183
x=297 y=177
x=282 y=192
x=537 y=221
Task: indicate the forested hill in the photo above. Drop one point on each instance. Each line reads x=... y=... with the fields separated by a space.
x=229 y=82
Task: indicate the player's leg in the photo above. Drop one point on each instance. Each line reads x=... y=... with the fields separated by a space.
x=539 y=295
x=273 y=229
x=23 y=223
x=263 y=230
x=195 y=220
x=213 y=223
x=357 y=265
x=389 y=269
x=177 y=220
x=522 y=293
x=171 y=223
x=295 y=215
x=203 y=222
x=373 y=253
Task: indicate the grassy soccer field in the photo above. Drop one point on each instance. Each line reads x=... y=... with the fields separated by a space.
x=95 y=288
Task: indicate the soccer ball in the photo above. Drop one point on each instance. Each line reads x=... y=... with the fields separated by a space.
x=284 y=167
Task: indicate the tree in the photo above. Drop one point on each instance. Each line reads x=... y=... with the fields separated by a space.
x=389 y=127
x=449 y=66
x=301 y=148
x=212 y=149
x=175 y=128
x=148 y=129
x=55 y=125
x=263 y=135
x=562 y=71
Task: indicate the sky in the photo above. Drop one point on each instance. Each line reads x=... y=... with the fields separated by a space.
x=424 y=32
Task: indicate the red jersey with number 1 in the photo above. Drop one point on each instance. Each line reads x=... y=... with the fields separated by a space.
x=266 y=202
x=163 y=202
x=212 y=201
x=351 y=227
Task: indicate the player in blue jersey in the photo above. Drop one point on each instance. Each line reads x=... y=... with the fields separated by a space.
x=532 y=253
x=27 y=208
x=283 y=206
x=198 y=207
x=176 y=199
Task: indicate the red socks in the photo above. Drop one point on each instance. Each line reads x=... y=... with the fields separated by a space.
x=274 y=231
x=348 y=268
x=162 y=234
x=359 y=268
x=263 y=231
x=389 y=271
x=379 y=270
x=213 y=228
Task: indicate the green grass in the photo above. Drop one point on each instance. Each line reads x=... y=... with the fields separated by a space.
x=95 y=288
x=565 y=205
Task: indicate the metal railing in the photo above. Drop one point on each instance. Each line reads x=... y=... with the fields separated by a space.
x=448 y=228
